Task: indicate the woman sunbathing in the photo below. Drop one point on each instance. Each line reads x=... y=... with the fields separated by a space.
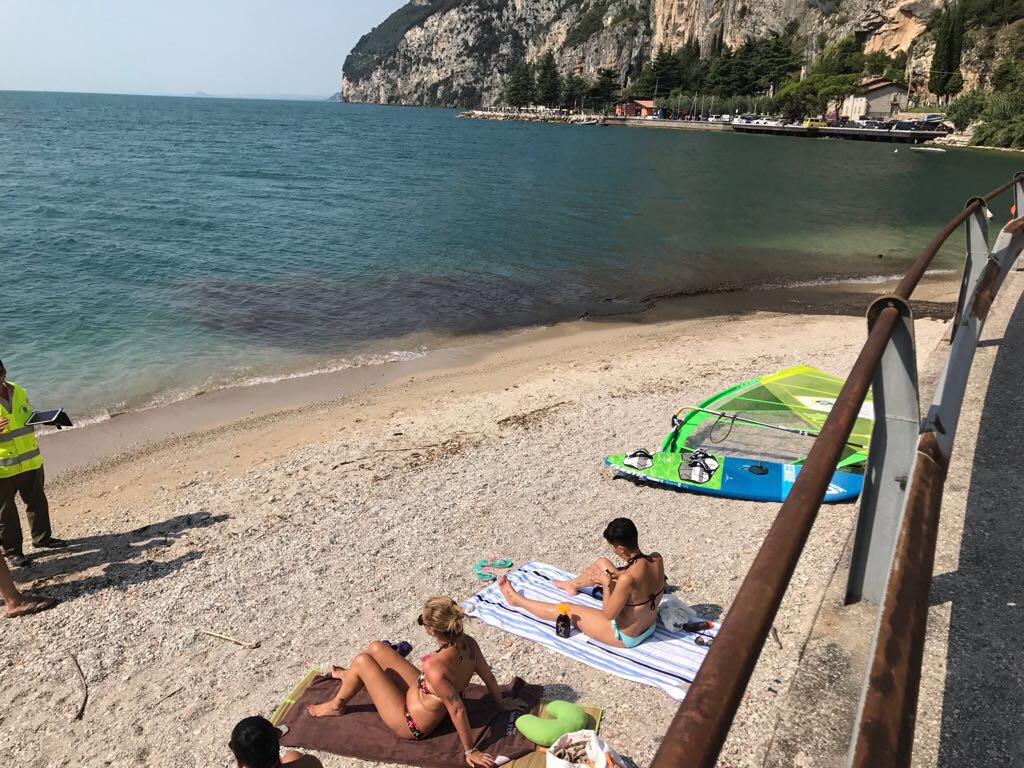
x=632 y=593
x=411 y=703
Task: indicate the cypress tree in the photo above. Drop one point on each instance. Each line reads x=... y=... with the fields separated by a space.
x=549 y=82
x=938 y=77
x=519 y=92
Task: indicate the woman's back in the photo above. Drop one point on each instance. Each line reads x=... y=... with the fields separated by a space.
x=646 y=585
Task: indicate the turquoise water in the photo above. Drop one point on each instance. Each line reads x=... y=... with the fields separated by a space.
x=156 y=246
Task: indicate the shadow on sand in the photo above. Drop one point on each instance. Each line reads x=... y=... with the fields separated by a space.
x=984 y=693
x=128 y=558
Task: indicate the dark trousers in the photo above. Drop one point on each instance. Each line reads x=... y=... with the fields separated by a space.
x=29 y=485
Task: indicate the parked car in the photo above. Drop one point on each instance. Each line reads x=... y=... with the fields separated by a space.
x=813 y=123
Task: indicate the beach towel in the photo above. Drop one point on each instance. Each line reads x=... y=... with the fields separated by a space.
x=668 y=660
x=360 y=732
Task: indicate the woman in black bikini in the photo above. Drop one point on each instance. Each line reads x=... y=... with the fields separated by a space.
x=632 y=593
x=411 y=703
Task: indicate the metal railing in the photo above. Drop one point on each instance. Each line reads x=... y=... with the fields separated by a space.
x=897 y=527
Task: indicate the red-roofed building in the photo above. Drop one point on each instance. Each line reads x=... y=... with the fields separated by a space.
x=632 y=107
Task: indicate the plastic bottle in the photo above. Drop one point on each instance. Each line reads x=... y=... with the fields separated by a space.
x=563 y=625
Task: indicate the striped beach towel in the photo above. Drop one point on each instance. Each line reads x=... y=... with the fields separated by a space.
x=667 y=660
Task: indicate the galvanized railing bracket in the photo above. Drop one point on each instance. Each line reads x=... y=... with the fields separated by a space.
x=897 y=423
x=976 y=231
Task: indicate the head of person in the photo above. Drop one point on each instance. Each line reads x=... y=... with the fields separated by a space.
x=256 y=743
x=622 y=535
x=442 y=618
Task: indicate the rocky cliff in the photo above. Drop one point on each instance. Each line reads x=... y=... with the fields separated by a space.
x=460 y=52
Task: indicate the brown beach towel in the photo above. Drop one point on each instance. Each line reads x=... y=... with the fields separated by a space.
x=362 y=734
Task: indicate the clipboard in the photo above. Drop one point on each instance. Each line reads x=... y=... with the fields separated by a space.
x=55 y=418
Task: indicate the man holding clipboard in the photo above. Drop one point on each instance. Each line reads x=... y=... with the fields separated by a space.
x=21 y=473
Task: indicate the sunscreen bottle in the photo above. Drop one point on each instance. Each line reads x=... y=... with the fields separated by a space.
x=563 y=626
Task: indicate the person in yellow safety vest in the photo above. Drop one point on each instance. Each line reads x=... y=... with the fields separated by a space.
x=21 y=473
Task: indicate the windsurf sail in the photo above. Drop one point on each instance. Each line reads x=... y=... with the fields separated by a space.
x=774 y=417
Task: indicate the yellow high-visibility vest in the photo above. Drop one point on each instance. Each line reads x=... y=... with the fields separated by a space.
x=19 y=451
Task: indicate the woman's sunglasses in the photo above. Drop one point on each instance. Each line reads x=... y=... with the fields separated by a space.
x=419 y=619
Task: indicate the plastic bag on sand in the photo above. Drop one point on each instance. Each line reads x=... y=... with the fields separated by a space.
x=674 y=613
x=594 y=752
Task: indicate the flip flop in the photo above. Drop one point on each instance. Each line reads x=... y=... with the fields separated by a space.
x=32 y=607
x=483 y=574
x=495 y=562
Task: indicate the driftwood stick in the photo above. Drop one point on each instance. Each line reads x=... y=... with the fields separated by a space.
x=236 y=641
x=165 y=698
x=85 y=687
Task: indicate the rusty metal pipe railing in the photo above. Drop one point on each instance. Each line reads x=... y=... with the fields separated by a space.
x=916 y=271
x=885 y=735
x=699 y=729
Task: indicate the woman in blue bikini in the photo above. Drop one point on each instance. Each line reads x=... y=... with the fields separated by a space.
x=632 y=592
x=412 y=703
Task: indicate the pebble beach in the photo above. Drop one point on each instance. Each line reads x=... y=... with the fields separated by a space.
x=316 y=530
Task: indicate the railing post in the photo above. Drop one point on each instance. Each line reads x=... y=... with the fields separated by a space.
x=1018 y=202
x=977 y=255
x=897 y=417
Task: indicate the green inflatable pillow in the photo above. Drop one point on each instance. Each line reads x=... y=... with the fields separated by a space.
x=566 y=718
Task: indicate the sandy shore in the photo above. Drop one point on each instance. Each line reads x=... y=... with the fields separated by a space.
x=321 y=528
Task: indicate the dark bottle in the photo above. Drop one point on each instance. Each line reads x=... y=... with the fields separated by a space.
x=563 y=626
x=697 y=625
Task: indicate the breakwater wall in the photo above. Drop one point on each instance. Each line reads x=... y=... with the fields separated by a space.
x=530 y=117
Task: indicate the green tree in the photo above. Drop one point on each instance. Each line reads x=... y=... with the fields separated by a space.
x=938 y=76
x=834 y=90
x=1009 y=76
x=949 y=30
x=519 y=91
x=665 y=71
x=602 y=92
x=955 y=84
x=966 y=109
x=798 y=99
x=845 y=57
x=549 y=81
x=574 y=91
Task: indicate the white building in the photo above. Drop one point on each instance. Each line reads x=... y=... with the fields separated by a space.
x=878 y=99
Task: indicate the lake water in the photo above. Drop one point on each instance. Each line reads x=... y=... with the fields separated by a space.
x=157 y=246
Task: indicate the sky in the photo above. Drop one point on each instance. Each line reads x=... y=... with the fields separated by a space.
x=218 y=47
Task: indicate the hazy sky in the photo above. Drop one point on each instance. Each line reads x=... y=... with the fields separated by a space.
x=230 y=47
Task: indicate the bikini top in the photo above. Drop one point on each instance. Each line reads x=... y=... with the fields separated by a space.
x=421 y=681
x=653 y=599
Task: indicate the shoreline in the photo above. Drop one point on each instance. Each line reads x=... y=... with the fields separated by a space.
x=71 y=452
x=318 y=529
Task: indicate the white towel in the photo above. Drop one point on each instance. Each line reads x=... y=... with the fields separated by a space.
x=668 y=661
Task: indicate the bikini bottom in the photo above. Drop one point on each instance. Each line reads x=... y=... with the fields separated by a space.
x=633 y=642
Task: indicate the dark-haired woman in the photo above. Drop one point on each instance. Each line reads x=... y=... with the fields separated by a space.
x=414 y=703
x=632 y=592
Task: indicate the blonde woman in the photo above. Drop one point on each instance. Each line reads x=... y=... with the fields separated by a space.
x=414 y=703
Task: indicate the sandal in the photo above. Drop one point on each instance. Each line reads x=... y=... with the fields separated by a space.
x=33 y=606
